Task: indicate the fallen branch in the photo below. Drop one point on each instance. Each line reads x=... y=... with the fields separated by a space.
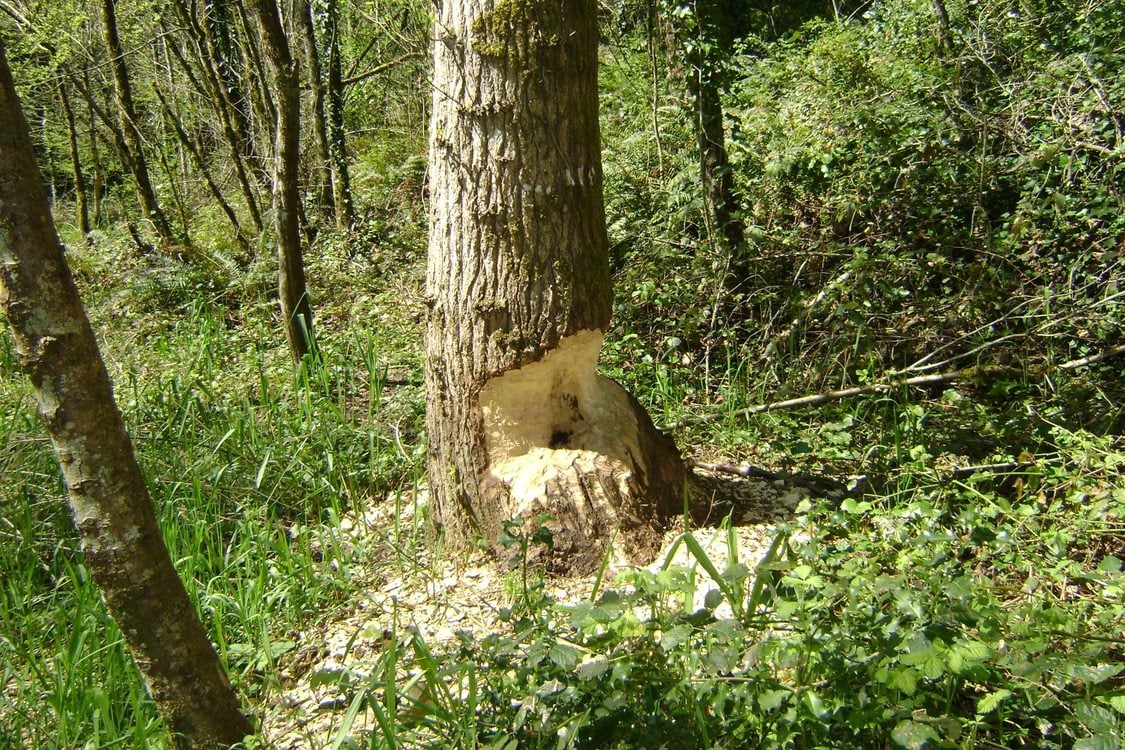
x=967 y=373
x=828 y=487
x=1074 y=364
x=818 y=485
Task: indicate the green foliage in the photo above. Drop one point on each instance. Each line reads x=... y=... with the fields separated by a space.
x=958 y=614
x=900 y=198
x=252 y=466
x=907 y=203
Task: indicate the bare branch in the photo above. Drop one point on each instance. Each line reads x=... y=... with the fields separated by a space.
x=967 y=373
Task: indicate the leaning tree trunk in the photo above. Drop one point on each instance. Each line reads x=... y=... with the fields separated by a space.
x=295 y=306
x=133 y=153
x=81 y=191
x=109 y=501
x=519 y=296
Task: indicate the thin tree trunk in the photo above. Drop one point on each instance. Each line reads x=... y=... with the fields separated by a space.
x=942 y=16
x=519 y=297
x=295 y=307
x=337 y=140
x=261 y=106
x=81 y=191
x=95 y=156
x=201 y=165
x=704 y=46
x=134 y=152
x=233 y=125
x=323 y=167
x=111 y=507
x=219 y=35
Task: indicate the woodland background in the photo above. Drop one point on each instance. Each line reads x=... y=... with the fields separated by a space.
x=802 y=198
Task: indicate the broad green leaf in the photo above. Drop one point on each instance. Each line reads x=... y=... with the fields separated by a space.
x=772 y=699
x=674 y=638
x=1093 y=674
x=913 y=735
x=563 y=654
x=1116 y=702
x=1098 y=742
x=815 y=704
x=1097 y=719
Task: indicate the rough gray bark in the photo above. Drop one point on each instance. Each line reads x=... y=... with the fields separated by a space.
x=109 y=501
x=519 y=292
x=286 y=94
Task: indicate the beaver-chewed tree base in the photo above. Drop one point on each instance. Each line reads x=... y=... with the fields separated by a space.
x=573 y=445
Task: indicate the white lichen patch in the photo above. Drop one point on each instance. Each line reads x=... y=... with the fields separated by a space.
x=557 y=419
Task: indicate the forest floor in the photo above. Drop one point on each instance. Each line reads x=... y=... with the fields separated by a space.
x=449 y=599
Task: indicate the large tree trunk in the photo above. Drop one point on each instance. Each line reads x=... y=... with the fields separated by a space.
x=133 y=154
x=295 y=307
x=518 y=287
x=108 y=497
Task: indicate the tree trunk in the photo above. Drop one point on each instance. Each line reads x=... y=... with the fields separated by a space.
x=127 y=114
x=218 y=31
x=215 y=88
x=95 y=156
x=337 y=140
x=295 y=307
x=942 y=16
x=323 y=166
x=519 y=296
x=111 y=507
x=81 y=192
x=707 y=40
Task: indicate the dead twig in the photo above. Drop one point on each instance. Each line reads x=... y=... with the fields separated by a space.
x=967 y=373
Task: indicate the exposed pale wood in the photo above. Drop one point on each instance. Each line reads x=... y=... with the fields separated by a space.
x=518 y=290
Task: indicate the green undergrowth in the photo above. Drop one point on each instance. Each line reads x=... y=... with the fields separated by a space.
x=981 y=612
x=908 y=209
x=252 y=465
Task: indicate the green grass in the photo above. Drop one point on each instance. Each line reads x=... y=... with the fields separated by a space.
x=252 y=465
x=976 y=612
x=925 y=610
